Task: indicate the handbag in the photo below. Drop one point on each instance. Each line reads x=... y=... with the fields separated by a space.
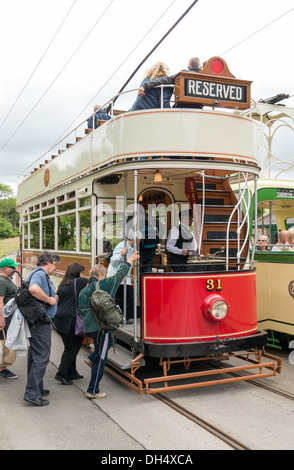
x=7 y=356
x=79 y=325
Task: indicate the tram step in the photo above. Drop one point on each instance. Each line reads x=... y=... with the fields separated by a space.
x=121 y=357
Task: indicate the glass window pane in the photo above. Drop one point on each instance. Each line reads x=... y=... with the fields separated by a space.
x=35 y=215
x=35 y=235
x=49 y=211
x=85 y=201
x=25 y=236
x=48 y=235
x=67 y=232
x=67 y=207
x=85 y=231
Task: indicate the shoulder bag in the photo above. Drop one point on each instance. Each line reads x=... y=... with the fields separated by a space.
x=79 y=325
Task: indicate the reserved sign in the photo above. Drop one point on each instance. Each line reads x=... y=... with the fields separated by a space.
x=215 y=91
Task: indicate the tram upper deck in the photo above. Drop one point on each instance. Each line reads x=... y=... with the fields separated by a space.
x=171 y=138
x=177 y=134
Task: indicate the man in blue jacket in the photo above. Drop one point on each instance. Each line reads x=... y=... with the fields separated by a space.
x=100 y=115
x=42 y=289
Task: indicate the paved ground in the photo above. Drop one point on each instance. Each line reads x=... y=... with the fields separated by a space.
x=122 y=421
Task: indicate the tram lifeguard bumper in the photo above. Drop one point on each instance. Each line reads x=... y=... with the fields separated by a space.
x=205 y=348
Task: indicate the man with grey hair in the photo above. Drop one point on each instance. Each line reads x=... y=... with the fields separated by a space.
x=100 y=115
x=282 y=243
x=124 y=248
x=194 y=66
x=42 y=289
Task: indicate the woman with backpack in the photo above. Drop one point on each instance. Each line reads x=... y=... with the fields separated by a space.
x=64 y=321
x=102 y=339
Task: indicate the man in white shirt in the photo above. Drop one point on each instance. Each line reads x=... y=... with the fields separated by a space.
x=117 y=259
x=282 y=243
x=180 y=242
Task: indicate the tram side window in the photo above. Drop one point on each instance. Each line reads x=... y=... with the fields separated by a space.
x=113 y=229
x=25 y=236
x=67 y=232
x=48 y=234
x=35 y=235
x=85 y=230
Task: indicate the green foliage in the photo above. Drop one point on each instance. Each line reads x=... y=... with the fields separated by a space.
x=9 y=218
x=6 y=229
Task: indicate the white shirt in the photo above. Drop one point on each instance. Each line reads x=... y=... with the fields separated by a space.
x=173 y=238
x=117 y=260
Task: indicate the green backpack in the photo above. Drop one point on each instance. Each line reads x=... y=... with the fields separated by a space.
x=107 y=314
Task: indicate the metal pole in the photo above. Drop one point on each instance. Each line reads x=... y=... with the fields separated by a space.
x=135 y=226
x=125 y=242
x=255 y=222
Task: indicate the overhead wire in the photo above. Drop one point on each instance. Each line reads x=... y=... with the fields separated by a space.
x=245 y=39
x=38 y=64
x=116 y=70
x=256 y=32
x=62 y=69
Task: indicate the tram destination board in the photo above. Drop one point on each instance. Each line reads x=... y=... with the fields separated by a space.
x=283 y=192
x=212 y=91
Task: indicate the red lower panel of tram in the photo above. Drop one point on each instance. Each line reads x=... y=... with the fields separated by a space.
x=198 y=307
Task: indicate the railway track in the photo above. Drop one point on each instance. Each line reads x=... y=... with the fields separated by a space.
x=258 y=383
x=233 y=443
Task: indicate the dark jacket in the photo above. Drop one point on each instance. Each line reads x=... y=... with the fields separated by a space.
x=148 y=86
x=152 y=99
x=101 y=115
x=67 y=304
x=170 y=80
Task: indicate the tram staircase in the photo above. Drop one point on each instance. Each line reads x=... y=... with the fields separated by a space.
x=220 y=202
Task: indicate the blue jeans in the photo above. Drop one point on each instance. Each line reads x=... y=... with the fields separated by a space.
x=99 y=358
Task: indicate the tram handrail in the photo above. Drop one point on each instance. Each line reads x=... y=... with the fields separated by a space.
x=239 y=228
x=108 y=103
x=26 y=171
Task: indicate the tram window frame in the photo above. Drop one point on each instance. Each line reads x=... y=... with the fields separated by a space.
x=111 y=207
x=54 y=212
x=82 y=239
x=61 y=217
x=35 y=242
x=25 y=236
x=49 y=246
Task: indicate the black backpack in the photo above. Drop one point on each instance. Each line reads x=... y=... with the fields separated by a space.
x=33 y=310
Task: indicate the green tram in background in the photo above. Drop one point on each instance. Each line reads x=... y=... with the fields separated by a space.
x=274 y=210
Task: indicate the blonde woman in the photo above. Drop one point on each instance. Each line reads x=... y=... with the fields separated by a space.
x=290 y=239
x=152 y=98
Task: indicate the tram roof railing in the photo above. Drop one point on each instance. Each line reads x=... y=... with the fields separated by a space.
x=47 y=156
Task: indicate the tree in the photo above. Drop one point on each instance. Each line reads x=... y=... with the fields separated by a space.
x=8 y=209
x=6 y=229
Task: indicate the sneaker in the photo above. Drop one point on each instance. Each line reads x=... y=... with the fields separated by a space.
x=97 y=395
x=7 y=374
x=88 y=362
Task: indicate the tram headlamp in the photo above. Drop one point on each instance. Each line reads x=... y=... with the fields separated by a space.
x=215 y=308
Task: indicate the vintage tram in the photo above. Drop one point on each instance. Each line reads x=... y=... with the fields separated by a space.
x=158 y=162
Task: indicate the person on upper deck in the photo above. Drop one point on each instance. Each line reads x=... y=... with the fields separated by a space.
x=180 y=242
x=194 y=66
x=100 y=115
x=152 y=98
